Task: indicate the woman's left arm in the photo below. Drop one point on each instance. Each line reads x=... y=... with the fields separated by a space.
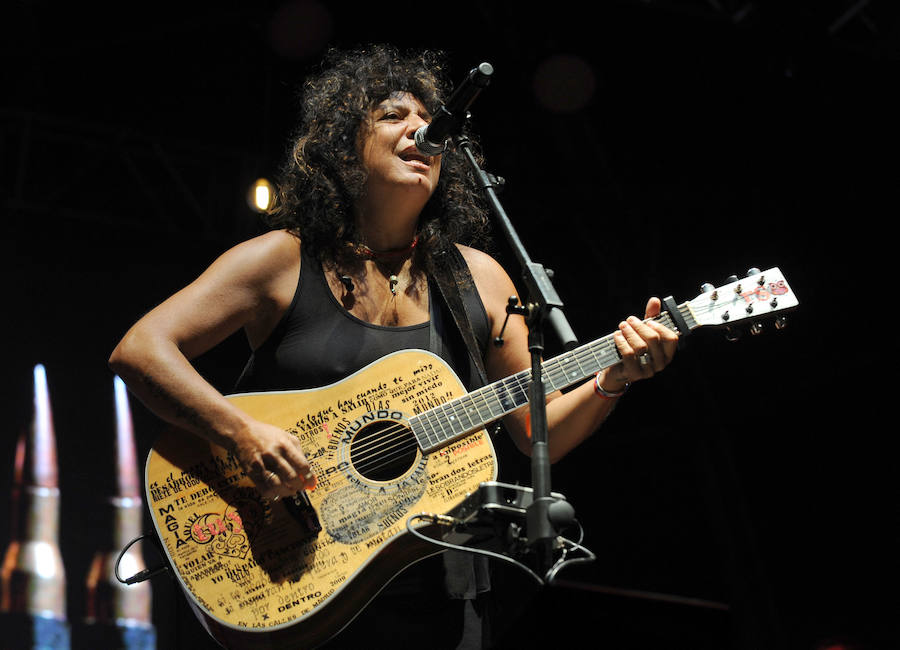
x=645 y=346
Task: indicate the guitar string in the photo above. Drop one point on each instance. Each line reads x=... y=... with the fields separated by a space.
x=401 y=439
x=384 y=460
x=386 y=445
x=408 y=441
x=449 y=411
x=376 y=446
x=521 y=384
x=521 y=381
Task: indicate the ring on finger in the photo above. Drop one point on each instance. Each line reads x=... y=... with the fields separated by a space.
x=644 y=359
x=271 y=475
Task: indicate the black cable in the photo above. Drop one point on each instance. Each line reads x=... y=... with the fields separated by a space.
x=451 y=521
x=140 y=576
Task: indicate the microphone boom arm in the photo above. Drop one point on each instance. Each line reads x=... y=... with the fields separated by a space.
x=449 y=118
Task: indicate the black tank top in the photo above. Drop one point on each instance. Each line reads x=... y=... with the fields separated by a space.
x=318 y=342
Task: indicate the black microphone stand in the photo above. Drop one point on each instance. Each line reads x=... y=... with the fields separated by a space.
x=545 y=513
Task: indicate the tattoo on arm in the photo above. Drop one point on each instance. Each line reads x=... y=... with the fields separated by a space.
x=183 y=414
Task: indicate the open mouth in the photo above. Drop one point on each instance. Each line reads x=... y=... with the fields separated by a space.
x=413 y=155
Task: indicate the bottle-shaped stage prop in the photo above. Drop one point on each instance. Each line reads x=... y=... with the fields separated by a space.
x=118 y=616
x=32 y=576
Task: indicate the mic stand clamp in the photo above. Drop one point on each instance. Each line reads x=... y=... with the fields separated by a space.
x=495 y=517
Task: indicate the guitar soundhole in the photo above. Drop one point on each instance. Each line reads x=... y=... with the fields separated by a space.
x=383 y=451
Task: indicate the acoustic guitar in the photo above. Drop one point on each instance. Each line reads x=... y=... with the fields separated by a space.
x=398 y=438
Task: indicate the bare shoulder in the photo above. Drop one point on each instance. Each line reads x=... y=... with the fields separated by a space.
x=257 y=264
x=495 y=288
x=266 y=253
x=259 y=277
x=484 y=268
x=491 y=280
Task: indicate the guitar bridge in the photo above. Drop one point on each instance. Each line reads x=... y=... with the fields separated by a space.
x=300 y=508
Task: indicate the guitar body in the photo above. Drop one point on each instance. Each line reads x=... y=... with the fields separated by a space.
x=293 y=573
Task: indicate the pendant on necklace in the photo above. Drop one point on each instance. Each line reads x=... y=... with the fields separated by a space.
x=392 y=281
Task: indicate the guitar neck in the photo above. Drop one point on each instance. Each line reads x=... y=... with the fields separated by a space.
x=436 y=427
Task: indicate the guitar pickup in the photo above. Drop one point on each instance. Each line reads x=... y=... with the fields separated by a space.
x=300 y=508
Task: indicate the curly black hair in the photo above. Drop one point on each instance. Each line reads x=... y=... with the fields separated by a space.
x=323 y=175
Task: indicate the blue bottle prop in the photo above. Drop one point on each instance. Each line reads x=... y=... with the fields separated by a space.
x=32 y=576
x=119 y=616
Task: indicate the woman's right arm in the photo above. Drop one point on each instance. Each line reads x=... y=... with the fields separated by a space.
x=248 y=287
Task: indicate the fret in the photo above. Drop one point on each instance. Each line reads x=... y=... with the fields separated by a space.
x=549 y=373
x=489 y=403
x=481 y=404
x=609 y=353
x=423 y=420
x=553 y=374
x=593 y=349
x=569 y=370
x=574 y=375
x=416 y=426
x=437 y=434
x=471 y=411
x=566 y=373
x=505 y=397
x=523 y=381
x=434 y=414
x=489 y=398
x=453 y=410
x=590 y=356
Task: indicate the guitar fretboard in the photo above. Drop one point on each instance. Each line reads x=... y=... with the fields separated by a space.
x=438 y=426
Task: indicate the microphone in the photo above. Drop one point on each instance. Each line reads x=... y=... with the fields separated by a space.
x=431 y=138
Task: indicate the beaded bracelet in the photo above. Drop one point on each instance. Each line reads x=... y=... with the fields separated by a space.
x=602 y=392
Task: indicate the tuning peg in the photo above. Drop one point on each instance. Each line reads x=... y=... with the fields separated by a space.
x=780 y=323
x=731 y=279
x=753 y=272
x=709 y=288
x=732 y=334
x=756 y=329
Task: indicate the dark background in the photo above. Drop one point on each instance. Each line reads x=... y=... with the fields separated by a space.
x=647 y=147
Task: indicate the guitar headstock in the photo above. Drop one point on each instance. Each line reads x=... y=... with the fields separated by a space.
x=758 y=296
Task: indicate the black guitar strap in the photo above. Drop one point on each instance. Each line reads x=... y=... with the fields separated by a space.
x=465 y=575
x=455 y=283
